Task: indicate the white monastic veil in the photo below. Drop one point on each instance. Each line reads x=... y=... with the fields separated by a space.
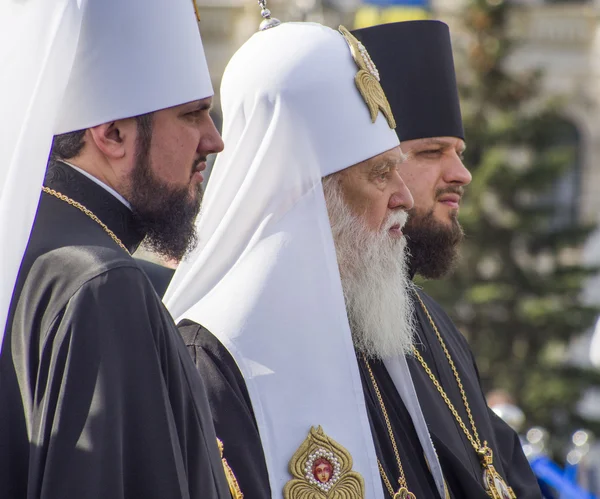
x=38 y=40
x=265 y=279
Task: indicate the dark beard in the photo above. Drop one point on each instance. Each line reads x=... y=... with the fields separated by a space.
x=432 y=245
x=167 y=215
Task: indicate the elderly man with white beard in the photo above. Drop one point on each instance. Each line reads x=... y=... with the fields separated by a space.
x=373 y=267
x=298 y=290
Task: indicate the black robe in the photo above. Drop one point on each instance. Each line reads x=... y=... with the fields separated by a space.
x=460 y=463
x=235 y=423
x=159 y=275
x=99 y=397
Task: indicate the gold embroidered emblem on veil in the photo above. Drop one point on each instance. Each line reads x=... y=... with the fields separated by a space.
x=367 y=80
x=322 y=469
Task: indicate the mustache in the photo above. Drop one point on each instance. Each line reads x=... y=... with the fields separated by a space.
x=451 y=189
x=399 y=217
x=201 y=159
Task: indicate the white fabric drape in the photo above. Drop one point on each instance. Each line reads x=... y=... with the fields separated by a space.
x=38 y=39
x=265 y=279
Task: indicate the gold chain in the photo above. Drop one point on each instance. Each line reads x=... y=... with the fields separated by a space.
x=495 y=486
x=473 y=439
x=402 y=477
x=90 y=214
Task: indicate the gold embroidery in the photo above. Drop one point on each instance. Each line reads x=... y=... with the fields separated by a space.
x=234 y=486
x=322 y=469
x=367 y=80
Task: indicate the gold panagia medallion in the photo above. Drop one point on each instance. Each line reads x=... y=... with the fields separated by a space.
x=322 y=469
x=367 y=79
x=494 y=484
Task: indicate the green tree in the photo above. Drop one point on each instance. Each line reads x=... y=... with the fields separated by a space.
x=515 y=292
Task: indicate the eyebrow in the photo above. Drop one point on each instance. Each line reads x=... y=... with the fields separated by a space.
x=203 y=105
x=386 y=165
x=443 y=144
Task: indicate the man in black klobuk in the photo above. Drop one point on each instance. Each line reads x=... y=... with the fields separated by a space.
x=312 y=177
x=418 y=77
x=98 y=395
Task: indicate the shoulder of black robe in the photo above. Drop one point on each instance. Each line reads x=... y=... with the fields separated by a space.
x=460 y=463
x=231 y=408
x=98 y=395
x=159 y=275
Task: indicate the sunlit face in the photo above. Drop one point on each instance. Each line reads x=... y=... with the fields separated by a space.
x=165 y=182
x=374 y=188
x=322 y=471
x=435 y=175
x=182 y=138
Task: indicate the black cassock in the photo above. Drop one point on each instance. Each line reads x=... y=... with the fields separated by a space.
x=98 y=395
x=235 y=423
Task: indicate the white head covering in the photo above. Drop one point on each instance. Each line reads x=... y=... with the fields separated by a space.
x=72 y=64
x=265 y=280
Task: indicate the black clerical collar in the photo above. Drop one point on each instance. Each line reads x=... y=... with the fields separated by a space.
x=112 y=212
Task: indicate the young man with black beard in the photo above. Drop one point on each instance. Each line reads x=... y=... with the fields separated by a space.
x=418 y=77
x=98 y=395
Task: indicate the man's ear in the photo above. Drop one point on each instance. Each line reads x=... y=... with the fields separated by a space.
x=113 y=139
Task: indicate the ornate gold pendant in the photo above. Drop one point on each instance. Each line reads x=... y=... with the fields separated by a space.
x=404 y=493
x=322 y=469
x=494 y=484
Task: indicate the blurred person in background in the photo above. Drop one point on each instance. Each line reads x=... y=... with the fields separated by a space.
x=98 y=396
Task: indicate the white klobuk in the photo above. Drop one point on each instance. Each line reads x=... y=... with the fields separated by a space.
x=264 y=278
x=72 y=64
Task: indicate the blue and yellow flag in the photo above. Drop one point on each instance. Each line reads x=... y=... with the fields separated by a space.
x=374 y=12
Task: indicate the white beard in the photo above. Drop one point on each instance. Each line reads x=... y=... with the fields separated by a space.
x=374 y=273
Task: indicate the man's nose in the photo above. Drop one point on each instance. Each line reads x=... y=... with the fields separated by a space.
x=401 y=197
x=210 y=141
x=455 y=172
